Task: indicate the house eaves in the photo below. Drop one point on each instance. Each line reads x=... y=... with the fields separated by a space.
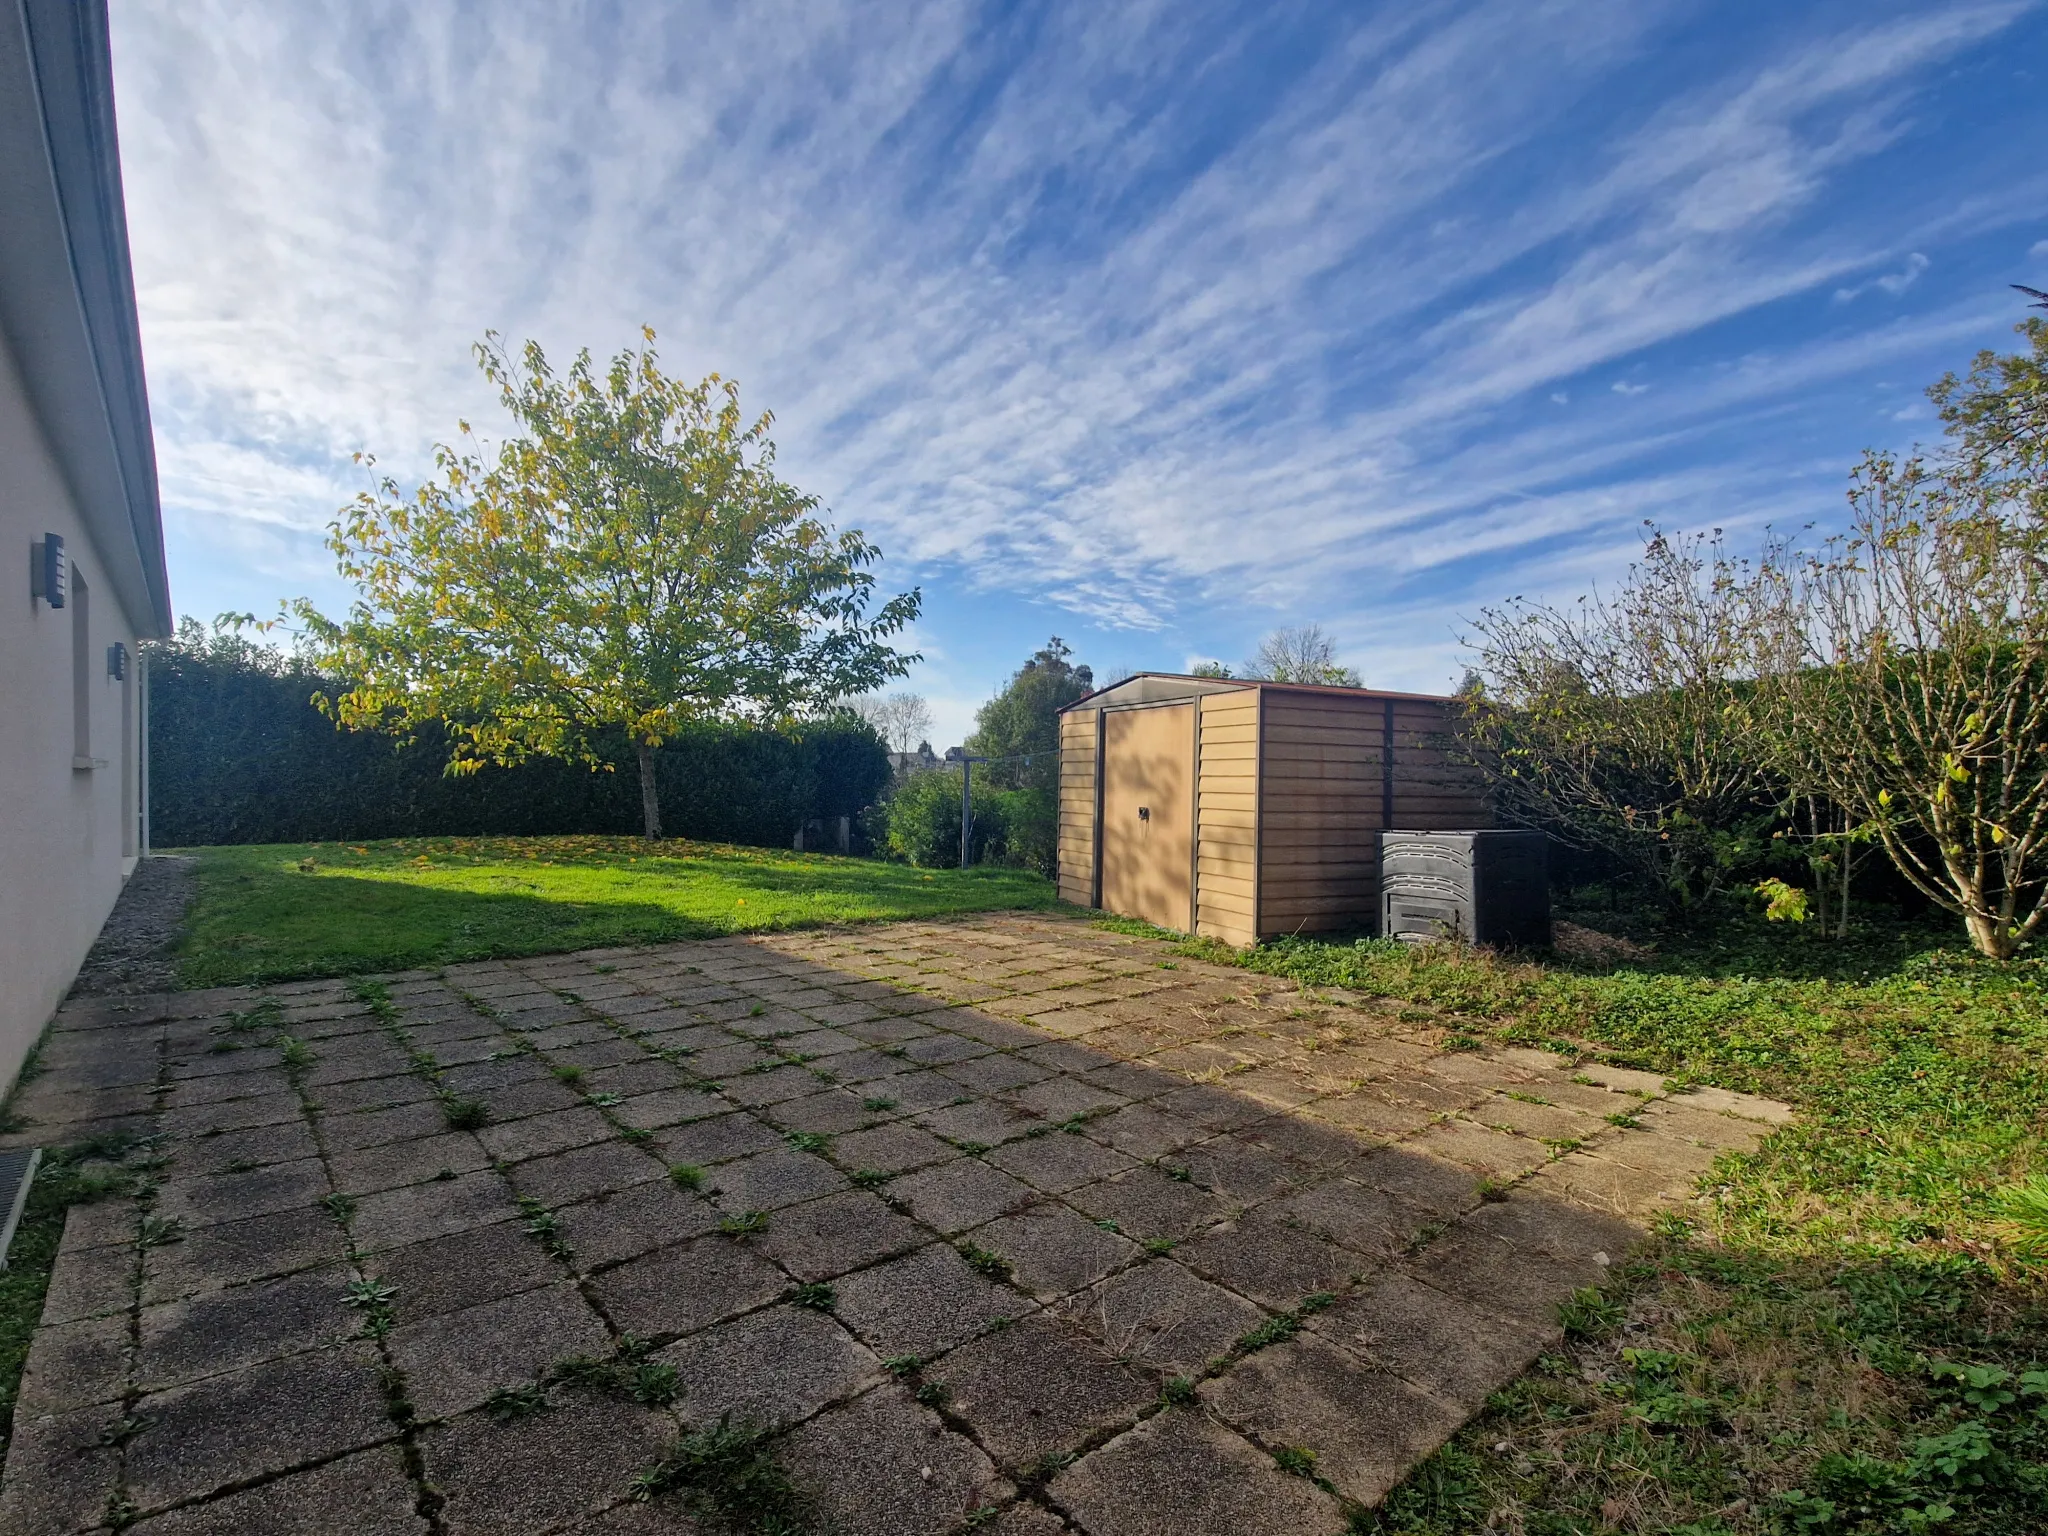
x=67 y=289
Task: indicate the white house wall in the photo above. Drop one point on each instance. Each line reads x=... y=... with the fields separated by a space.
x=67 y=834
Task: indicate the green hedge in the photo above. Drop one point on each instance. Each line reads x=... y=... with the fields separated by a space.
x=239 y=754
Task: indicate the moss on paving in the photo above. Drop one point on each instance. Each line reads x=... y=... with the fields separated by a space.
x=276 y=912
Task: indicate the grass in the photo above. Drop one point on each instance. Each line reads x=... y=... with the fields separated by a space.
x=68 y=1176
x=1850 y=1336
x=277 y=912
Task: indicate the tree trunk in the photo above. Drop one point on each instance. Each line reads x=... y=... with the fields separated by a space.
x=1848 y=864
x=650 y=800
x=1988 y=936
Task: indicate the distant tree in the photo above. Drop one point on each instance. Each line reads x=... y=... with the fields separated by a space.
x=1025 y=718
x=630 y=564
x=1211 y=669
x=1302 y=653
x=902 y=719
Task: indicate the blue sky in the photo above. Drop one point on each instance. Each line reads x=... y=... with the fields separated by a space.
x=1151 y=325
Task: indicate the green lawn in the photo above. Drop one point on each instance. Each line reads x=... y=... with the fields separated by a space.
x=1840 y=1339
x=279 y=911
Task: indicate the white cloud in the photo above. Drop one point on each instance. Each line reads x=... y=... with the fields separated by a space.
x=1892 y=283
x=1036 y=322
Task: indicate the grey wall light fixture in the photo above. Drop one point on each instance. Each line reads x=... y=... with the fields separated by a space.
x=48 y=574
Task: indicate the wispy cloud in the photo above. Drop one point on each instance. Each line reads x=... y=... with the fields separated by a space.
x=1167 y=315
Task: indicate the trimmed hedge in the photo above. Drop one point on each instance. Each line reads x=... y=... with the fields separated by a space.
x=239 y=754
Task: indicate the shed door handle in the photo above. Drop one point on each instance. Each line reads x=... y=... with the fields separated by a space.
x=1144 y=813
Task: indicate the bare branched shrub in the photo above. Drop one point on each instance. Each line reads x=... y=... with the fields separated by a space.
x=1920 y=704
x=1627 y=722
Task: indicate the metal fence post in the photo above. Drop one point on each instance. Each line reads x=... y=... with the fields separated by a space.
x=966 y=808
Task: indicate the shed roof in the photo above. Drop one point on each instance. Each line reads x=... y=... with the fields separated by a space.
x=1146 y=688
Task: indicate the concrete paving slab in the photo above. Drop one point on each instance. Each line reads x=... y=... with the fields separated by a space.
x=677 y=1290
x=364 y=1494
x=828 y=1237
x=180 y=1341
x=770 y=1368
x=1161 y=1314
x=923 y=1304
x=1364 y=1426
x=520 y=1476
x=454 y=1360
x=1039 y=1390
x=227 y=1429
x=446 y=1274
x=1052 y=1251
x=882 y=1465
x=1181 y=1472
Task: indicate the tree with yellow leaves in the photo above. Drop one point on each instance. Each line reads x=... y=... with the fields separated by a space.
x=627 y=564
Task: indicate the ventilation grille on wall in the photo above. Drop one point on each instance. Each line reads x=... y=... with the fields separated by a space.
x=17 y=1171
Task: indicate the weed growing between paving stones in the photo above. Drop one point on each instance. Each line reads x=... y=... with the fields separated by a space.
x=160 y=1231
x=686 y=1175
x=373 y=1299
x=994 y=1265
x=727 y=1470
x=807 y=1141
x=1295 y=1460
x=817 y=1297
x=624 y=1373
x=125 y=1428
x=869 y=1178
x=464 y=1114
x=745 y=1224
x=521 y=1402
x=1274 y=1330
x=544 y=1225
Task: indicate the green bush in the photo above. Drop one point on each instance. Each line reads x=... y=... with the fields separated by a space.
x=922 y=823
x=239 y=754
x=1031 y=825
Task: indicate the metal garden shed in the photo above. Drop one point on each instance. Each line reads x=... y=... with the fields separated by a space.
x=1245 y=810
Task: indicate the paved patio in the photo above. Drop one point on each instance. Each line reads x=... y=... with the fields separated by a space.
x=1010 y=1224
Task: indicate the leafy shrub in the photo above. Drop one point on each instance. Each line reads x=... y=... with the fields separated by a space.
x=922 y=824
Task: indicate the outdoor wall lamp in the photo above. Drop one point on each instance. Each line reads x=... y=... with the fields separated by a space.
x=48 y=574
x=117 y=661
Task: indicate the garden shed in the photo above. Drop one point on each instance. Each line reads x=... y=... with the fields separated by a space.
x=1245 y=810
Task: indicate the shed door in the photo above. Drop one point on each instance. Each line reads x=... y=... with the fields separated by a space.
x=1148 y=813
